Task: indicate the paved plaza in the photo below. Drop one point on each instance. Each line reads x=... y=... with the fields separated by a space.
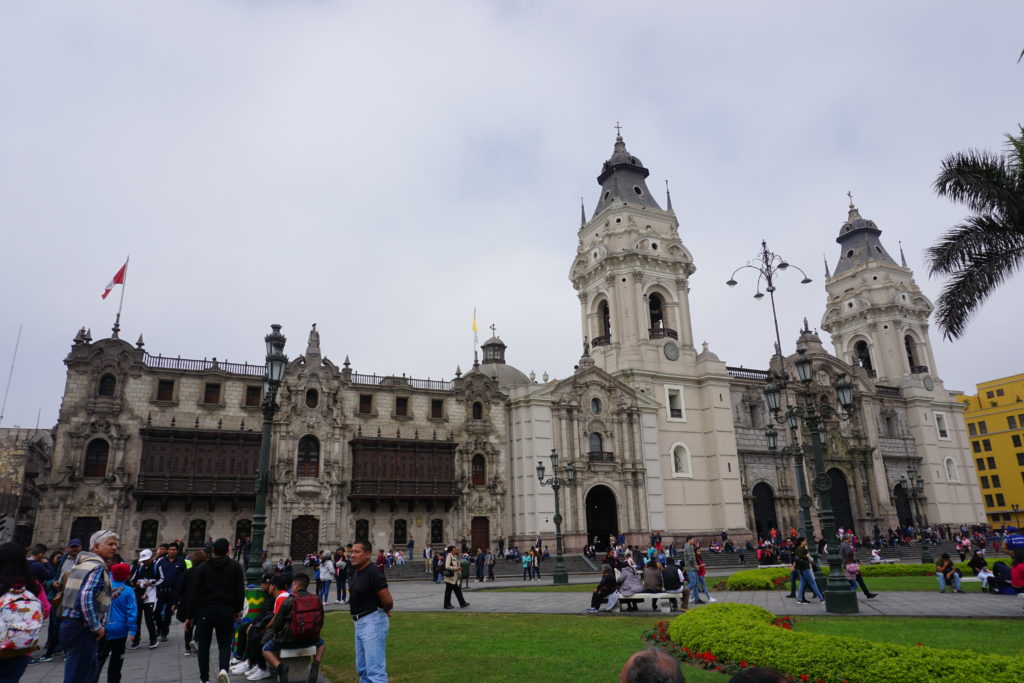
x=166 y=664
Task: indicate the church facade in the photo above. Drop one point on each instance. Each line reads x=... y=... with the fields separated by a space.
x=660 y=435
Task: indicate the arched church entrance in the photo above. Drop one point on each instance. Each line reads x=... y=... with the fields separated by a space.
x=480 y=533
x=305 y=536
x=84 y=527
x=903 y=512
x=765 y=518
x=840 y=500
x=602 y=516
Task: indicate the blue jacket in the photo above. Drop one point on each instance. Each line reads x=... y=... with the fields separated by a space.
x=122 y=614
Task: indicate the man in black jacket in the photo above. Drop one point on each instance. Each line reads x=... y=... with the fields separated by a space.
x=170 y=569
x=215 y=599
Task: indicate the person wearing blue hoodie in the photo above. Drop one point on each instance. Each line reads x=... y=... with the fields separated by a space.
x=121 y=623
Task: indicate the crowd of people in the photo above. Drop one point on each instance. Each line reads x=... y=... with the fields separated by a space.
x=91 y=604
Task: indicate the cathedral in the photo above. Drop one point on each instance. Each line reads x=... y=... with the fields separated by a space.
x=655 y=433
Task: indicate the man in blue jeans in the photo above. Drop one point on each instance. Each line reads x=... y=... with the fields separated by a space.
x=86 y=602
x=690 y=567
x=370 y=603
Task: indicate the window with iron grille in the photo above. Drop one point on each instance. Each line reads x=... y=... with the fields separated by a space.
x=164 y=392
x=96 y=458
x=211 y=394
x=309 y=457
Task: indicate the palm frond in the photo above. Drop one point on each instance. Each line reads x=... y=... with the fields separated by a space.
x=978 y=179
x=973 y=284
x=976 y=237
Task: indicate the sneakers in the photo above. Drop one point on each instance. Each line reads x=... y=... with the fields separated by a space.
x=234 y=660
x=258 y=675
x=871 y=595
x=45 y=658
x=222 y=676
x=240 y=669
x=162 y=639
x=803 y=602
x=592 y=610
x=188 y=652
x=711 y=599
x=194 y=645
x=135 y=645
x=314 y=672
x=154 y=645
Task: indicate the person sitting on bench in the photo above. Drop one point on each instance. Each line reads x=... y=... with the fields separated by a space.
x=296 y=625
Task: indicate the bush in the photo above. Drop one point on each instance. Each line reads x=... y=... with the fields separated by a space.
x=769 y=579
x=735 y=636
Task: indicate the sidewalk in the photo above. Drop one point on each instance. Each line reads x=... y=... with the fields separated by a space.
x=167 y=664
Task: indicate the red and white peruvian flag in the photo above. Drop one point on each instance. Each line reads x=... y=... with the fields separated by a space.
x=118 y=279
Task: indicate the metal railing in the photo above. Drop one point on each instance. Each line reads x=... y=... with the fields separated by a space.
x=748 y=373
x=603 y=340
x=918 y=369
x=192 y=365
x=600 y=456
x=402 y=381
x=887 y=391
x=661 y=333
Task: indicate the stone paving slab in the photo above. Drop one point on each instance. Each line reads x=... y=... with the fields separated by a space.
x=166 y=664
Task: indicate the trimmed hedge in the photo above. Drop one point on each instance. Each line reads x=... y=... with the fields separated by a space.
x=736 y=635
x=769 y=579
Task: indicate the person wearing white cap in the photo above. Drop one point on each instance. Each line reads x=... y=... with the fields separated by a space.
x=143 y=580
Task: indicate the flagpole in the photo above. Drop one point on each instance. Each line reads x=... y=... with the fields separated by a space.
x=10 y=375
x=124 y=283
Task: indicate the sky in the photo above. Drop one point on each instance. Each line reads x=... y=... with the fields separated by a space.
x=382 y=169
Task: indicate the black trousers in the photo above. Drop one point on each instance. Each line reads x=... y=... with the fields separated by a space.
x=165 y=601
x=450 y=588
x=254 y=649
x=219 y=619
x=145 y=609
x=115 y=650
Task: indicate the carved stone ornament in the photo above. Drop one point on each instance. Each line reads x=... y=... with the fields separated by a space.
x=822 y=483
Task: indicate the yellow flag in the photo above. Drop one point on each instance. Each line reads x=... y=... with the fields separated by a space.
x=474 y=320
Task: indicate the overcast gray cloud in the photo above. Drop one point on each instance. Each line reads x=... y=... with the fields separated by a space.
x=382 y=168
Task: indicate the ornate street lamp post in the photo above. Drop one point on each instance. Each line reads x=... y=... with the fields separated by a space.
x=916 y=486
x=768 y=264
x=839 y=599
x=276 y=364
x=556 y=483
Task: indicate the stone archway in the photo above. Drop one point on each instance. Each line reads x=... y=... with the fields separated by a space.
x=602 y=516
x=904 y=514
x=840 y=492
x=765 y=515
x=84 y=527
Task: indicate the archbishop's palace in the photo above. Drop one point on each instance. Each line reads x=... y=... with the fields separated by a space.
x=662 y=434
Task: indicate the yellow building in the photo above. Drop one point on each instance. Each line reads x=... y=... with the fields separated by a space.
x=995 y=423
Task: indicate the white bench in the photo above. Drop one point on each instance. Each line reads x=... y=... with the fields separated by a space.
x=297 y=660
x=665 y=606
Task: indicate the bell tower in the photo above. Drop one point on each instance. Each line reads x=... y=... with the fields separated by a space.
x=632 y=272
x=876 y=313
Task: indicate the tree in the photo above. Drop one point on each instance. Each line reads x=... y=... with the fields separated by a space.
x=987 y=247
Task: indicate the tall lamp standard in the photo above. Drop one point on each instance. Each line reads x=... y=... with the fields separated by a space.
x=556 y=483
x=276 y=364
x=915 y=484
x=768 y=264
x=839 y=599
x=1016 y=514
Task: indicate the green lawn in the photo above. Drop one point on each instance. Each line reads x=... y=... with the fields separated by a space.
x=999 y=636
x=428 y=646
x=875 y=583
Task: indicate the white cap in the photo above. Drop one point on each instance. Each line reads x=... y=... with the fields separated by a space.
x=146 y=554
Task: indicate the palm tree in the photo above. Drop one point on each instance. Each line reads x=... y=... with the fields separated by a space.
x=985 y=249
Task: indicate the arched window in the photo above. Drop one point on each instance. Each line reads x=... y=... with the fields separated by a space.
x=401 y=533
x=243 y=529
x=108 y=383
x=436 y=531
x=596 y=443
x=362 y=530
x=478 y=410
x=908 y=344
x=952 y=472
x=656 y=309
x=312 y=398
x=863 y=354
x=196 y=533
x=479 y=470
x=96 y=458
x=309 y=457
x=606 y=319
x=682 y=466
x=148 y=533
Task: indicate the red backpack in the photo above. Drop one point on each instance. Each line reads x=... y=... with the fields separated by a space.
x=307 y=618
